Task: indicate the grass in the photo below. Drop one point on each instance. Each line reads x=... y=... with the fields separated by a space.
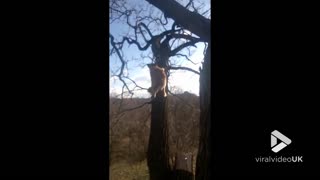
x=123 y=170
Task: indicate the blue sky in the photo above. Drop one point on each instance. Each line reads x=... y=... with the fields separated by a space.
x=137 y=69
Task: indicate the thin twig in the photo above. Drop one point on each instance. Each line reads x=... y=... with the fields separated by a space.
x=183 y=68
x=178 y=54
x=130 y=109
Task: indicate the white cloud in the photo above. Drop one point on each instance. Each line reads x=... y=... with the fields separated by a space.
x=185 y=80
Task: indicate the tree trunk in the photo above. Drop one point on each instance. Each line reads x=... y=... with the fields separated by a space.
x=204 y=158
x=183 y=169
x=158 y=149
x=158 y=158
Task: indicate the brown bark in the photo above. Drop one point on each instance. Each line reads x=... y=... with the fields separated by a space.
x=183 y=167
x=183 y=161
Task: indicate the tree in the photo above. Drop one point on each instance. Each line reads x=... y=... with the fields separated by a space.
x=183 y=19
x=201 y=27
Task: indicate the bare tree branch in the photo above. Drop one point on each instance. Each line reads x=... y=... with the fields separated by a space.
x=122 y=63
x=185 y=56
x=136 y=83
x=140 y=106
x=196 y=23
x=205 y=12
x=189 y=3
x=131 y=41
x=179 y=48
x=138 y=24
x=146 y=28
x=183 y=68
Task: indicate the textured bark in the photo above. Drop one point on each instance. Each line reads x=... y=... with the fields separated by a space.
x=183 y=167
x=158 y=149
x=183 y=161
x=204 y=158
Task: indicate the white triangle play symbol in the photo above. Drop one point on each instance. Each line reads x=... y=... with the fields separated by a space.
x=277 y=135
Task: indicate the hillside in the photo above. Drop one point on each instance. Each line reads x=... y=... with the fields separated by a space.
x=129 y=132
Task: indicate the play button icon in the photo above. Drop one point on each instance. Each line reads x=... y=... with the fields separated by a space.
x=275 y=135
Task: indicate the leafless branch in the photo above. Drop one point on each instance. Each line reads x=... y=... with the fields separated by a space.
x=138 y=24
x=187 y=37
x=140 y=106
x=146 y=28
x=122 y=63
x=205 y=12
x=179 y=48
x=185 y=56
x=189 y=3
x=136 y=83
x=183 y=68
x=170 y=9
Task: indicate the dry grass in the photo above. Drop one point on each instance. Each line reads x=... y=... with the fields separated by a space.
x=125 y=171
